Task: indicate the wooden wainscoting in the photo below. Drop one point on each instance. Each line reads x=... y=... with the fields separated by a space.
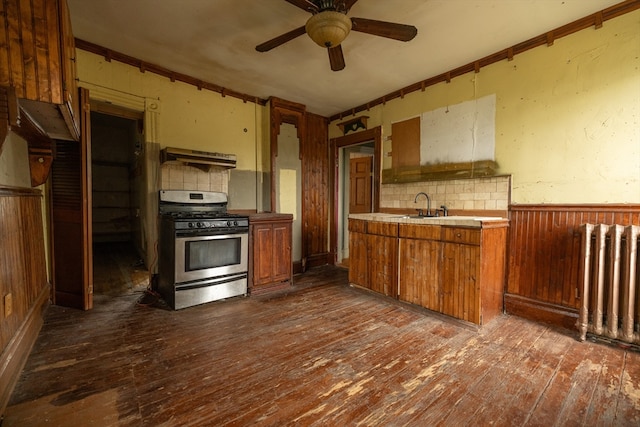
x=544 y=257
x=24 y=289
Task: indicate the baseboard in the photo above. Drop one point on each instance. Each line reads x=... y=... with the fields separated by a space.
x=274 y=287
x=318 y=260
x=539 y=311
x=17 y=351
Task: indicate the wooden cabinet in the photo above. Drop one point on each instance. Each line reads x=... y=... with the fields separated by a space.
x=358 y=258
x=38 y=63
x=419 y=277
x=457 y=271
x=373 y=255
x=270 y=266
x=454 y=270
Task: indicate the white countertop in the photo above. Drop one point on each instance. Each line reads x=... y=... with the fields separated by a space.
x=454 y=220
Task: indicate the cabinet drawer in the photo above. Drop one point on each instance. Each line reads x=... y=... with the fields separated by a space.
x=358 y=226
x=382 y=228
x=417 y=231
x=470 y=236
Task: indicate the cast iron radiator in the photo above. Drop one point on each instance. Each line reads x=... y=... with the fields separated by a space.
x=609 y=272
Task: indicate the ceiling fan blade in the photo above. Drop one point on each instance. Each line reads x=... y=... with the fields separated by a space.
x=336 y=58
x=282 y=39
x=305 y=5
x=389 y=30
x=348 y=4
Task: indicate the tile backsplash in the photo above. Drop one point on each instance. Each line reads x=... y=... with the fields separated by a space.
x=491 y=193
x=178 y=176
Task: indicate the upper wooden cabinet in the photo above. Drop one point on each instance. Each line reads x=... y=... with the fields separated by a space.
x=37 y=60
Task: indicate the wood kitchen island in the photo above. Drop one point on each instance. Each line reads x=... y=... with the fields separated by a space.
x=451 y=265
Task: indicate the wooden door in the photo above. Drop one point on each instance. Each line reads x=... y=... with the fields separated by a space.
x=358 y=272
x=71 y=217
x=419 y=281
x=281 y=252
x=360 y=179
x=262 y=249
x=382 y=257
x=460 y=281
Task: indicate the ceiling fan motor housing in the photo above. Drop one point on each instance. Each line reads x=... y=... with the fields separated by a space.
x=328 y=28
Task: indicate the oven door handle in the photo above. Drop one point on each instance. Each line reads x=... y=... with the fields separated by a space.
x=212 y=232
x=206 y=283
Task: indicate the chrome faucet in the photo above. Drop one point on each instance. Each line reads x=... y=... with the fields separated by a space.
x=420 y=213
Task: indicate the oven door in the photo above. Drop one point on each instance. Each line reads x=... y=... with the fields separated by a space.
x=201 y=257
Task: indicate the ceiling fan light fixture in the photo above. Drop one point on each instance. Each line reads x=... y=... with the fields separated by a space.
x=328 y=28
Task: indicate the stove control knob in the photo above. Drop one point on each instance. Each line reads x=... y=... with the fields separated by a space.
x=198 y=224
x=235 y=223
x=228 y=223
x=190 y=225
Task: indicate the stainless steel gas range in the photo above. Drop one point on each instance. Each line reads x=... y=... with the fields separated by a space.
x=203 y=250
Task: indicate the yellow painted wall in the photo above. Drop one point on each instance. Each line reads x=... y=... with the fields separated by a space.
x=567 y=116
x=189 y=118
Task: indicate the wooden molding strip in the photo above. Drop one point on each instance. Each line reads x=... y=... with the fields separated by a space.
x=173 y=76
x=617 y=207
x=594 y=20
x=6 y=191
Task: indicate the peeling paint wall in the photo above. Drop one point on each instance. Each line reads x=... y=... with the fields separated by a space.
x=567 y=115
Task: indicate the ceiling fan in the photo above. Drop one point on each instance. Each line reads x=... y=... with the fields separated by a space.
x=329 y=26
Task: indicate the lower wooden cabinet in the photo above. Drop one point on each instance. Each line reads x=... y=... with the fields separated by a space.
x=373 y=249
x=457 y=271
x=270 y=265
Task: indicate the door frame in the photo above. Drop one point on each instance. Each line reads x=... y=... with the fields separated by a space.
x=151 y=109
x=373 y=134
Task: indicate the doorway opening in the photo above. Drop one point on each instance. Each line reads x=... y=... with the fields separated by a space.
x=117 y=191
x=360 y=144
x=356 y=188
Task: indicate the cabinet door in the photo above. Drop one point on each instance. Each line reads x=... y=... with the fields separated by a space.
x=383 y=264
x=419 y=281
x=461 y=281
x=358 y=273
x=262 y=247
x=281 y=253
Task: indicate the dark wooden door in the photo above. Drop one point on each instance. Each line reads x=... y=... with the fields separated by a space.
x=360 y=179
x=71 y=217
x=281 y=252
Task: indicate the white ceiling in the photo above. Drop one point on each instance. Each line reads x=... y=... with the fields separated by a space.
x=214 y=40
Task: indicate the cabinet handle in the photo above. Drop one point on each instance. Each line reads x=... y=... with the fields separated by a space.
x=458 y=234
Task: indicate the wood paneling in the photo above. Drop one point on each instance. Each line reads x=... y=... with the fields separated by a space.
x=544 y=257
x=38 y=59
x=316 y=191
x=23 y=280
x=405 y=143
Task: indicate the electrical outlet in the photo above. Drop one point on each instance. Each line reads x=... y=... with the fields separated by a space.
x=8 y=305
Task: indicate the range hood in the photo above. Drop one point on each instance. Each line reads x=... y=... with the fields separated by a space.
x=200 y=159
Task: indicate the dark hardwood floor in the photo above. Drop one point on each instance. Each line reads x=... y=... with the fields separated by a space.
x=323 y=354
x=118 y=269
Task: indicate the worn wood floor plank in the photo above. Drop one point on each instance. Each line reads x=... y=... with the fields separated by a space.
x=323 y=353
